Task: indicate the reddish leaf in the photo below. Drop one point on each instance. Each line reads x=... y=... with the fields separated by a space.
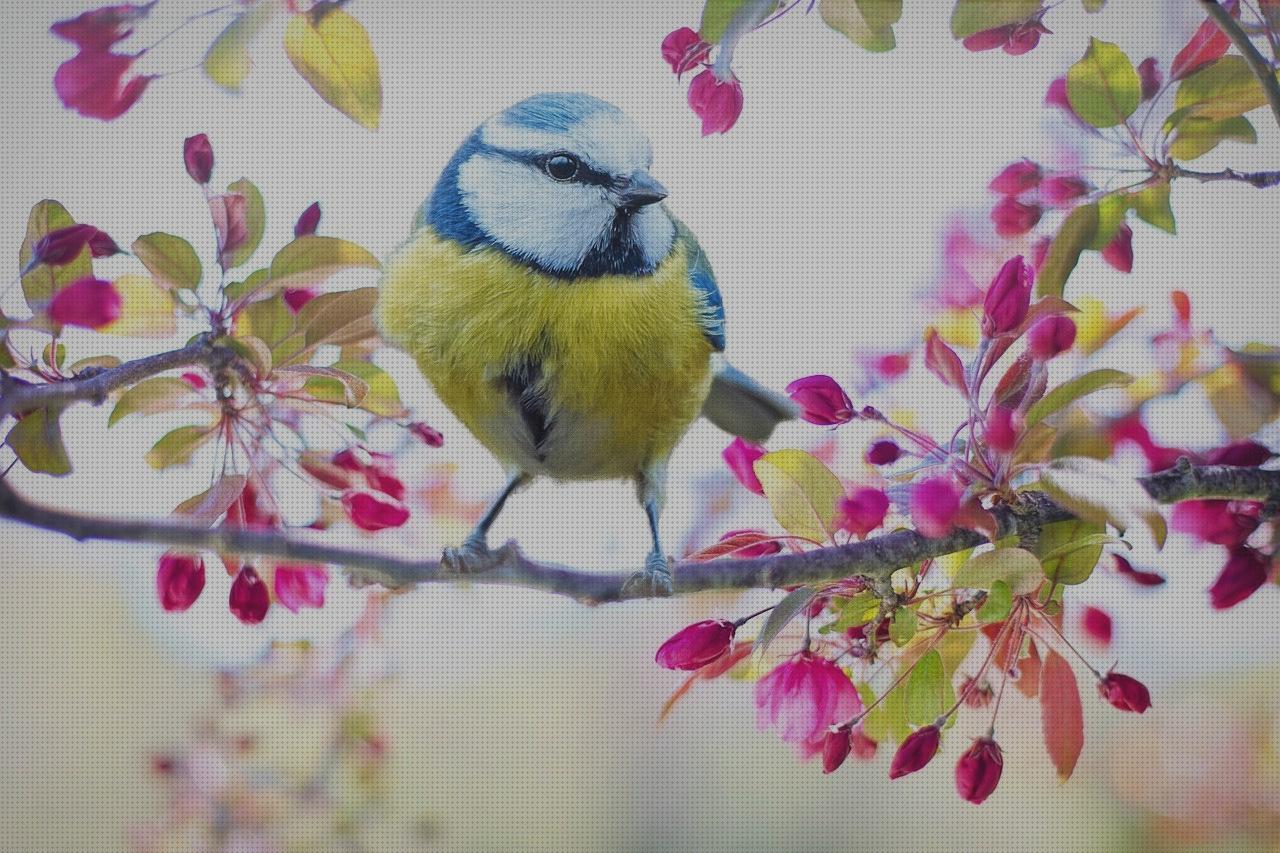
x=1028 y=682
x=1209 y=44
x=944 y=363
x=1062 y=714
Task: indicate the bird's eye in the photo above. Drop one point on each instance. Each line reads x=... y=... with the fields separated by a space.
x=561 y=167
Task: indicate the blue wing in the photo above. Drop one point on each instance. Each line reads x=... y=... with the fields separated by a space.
x=704 y=282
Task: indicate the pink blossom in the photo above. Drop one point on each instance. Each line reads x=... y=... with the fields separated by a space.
x=1008 y=298
x=1056 y=96
x=1096 y=623
x=372 y=511
x=697 y=645
x=978 y=771
x=883 y=452
x=377 y=468
x=1051 y=337
x=249 y=600
x=717 y=102
x=197 y=155
x=94 y=84
x=1245 y=572
x=1125 y=693
x=821 y=399
x=835 y=749
x=296 y=297
x=1012 y=218
x=1217 y=522
x=89 y=302
x=861 y=747
x=935 y=503
x=684 y=49
x=741 y=456
x=63 y=245
x=1158 y=457
x=1001 y=432
x=309 y=221
x=1119 y=252
x=230 y=221
x=1149 y=76
x=1017 y=178
x=1142 y=578
x=1063 y=190
x=863 y=511
x=428 y=435
x=179 y=581
x=1246 y=454
x=299 y=586
x=99 y=29
x=805 y=696
x=917 y=750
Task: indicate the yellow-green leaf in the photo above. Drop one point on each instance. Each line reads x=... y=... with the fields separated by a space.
x=926 y=690
x=1198 y=135
x=1152 y=206
x=157 y=394
x=147 y=309
x=903 y=627
x=39 y=285
x=1224 y=89
x=1064 y=562
x=1070 y=391
x=255 y=218
x=867 y=23
x=170 y=259
x=311 y=259
x=37 y=442
x=206 y=507
x=328 y=384
x=1074 y=236
x=382 y=398
x=341 y=318
x=332 y=52
x=974 y=16
x=178 y=446
x=996 y=607
x=1103 y=87
x=802 y=492
x=1017 y=567
x=718 y=14
x=227 y=61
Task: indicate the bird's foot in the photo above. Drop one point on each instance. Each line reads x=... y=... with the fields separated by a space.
x=472 y=557
x=654 y=581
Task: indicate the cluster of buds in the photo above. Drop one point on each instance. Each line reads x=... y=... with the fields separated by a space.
x=715 y=94
x=1014 y=38
x=97 y=82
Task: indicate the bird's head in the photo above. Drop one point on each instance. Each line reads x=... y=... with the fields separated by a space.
x=560 y=182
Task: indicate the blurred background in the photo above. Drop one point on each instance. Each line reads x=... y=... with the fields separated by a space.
x=517 y=721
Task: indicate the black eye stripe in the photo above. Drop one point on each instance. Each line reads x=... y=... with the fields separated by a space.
x=586 y=174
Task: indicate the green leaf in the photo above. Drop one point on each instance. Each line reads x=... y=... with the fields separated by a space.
x=328 y=384
x=718 y=14
x=1198 y=136
x=332 y=52
x=341 y=318
x=157 y=394
x=926 y=690
x=37 y=442
x=867 y=23
x=1017 y=567
x=1103 y=87
x=208 y=506
x=169 y=259
x=859 y=610
x=178 y=446
x=39 y=285
x=875 y=723
x=1152 y=206
x=251 y=286
x=974 y=16
x=270 y=320
x=382 y=397
x=1061 y=713
x=1064 y=562
x=1224 y=89
x=779 y=617
x=1074 y=236
x=1068 y=392
x=1092 y=6
x=1111 y=214
x=903 y=627
x=1090 y=541
x=310 y=259
x=255 y=216
x=802 y=493
x=227 y=61
x=996 y=607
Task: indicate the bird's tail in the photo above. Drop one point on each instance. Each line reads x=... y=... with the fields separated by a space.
x=741 y=406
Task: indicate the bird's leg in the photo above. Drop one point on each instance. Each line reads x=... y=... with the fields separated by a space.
x=474 y=554
x=656 y=578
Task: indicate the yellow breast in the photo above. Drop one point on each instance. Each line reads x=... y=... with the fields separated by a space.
x=624 y=365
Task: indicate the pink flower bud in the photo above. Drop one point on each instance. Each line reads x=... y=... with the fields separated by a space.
x=863 y=511
x=1008 y=298
x=943 y=362
x=429 y=436
x=697 y=645
x=1149 y=76
x=249 y=599
x=1209 y=44
x=1142 y=578
x=371 y=511
x=1245 y=572
x=822 y=401
x=309 y=221
x=300 y=586
x=1012 y=218
x=989 y=39
x=94 y=84
x=1024 y=38
x=741 y=456
x=978 y=770
x=195 y=380
x=1125 y=693
x=1119 y=252
x=883 y=452
x=1017 y=178
x=1245 y=454
x=1096 y=624
x=230 y=221
x=98 y=29
x=835 y=749
x=89 y=302
x=1063 y=190
x=296 y=297
x=64 y=245
x=197 y=154
x=684 y=49
x=717 y=102
x=1051 y=336
x=916 y=751
x=179 y=581
x=1001 y=433
x=935 y=502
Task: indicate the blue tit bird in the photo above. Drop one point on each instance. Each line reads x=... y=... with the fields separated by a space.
x=563 y=314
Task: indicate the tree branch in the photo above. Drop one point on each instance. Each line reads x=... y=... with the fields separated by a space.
x=1261 y=180
x=95 y=385
x=875 y=559
x=1258 y=63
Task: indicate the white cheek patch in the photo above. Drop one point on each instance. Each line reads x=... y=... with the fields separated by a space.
x=654 y=232
x=529 y=215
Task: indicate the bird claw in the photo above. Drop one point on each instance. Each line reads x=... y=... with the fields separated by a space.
x=471 y=558
x=654 y=582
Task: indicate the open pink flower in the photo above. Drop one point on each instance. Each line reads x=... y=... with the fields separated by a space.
x=299 y=586
x=94 y=84
x=697 y=645
x=935 y=503
x=1063 y=190
x=863 y=511
x=179 y=581
x=741 y=456
x=717 y=102
x=1012 y=218
x=684 y=49
x=1002 y=429
x=803 y=697
x=1217 y=522
x=89 y=302
x=249 y=600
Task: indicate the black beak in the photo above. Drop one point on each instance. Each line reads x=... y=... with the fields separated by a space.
x=639 y=191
